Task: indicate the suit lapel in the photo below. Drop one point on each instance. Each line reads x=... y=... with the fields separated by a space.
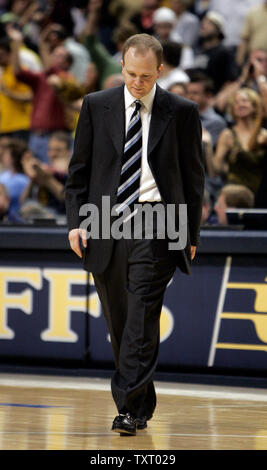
x=115 y=119
x=161 y=114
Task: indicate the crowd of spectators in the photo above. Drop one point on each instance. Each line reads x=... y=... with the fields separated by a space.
x=53 y=52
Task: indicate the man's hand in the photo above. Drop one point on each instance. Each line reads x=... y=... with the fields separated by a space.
x=193 y=252
x=74 y=238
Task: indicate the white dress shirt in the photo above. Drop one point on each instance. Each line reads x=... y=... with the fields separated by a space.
x=148 y=187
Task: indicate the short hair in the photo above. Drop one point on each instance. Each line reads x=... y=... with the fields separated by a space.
x=200 y=77
x=237 y=195
x=172 y=53
x=123 y=32
x=62 y=137
x=181 y=84
x=143 y=43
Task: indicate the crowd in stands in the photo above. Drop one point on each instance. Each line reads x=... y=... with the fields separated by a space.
x=53 y=52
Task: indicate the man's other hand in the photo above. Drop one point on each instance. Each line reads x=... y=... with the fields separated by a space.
x=193 y=252
x=74 y=238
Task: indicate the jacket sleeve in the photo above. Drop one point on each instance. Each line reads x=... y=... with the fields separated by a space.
x=77 y=184
x=193 y=173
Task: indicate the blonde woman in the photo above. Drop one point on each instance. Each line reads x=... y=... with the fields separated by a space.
x=242 y=150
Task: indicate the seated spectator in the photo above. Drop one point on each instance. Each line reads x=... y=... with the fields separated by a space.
x=164 y=20
x=12 y=174
x=233 y=196
x=6 y=214
x=200 y=90
x=178 y=88
x=171 y=72
x=187 y=24
x=31 y=211
x=241 y=151
x=211 y=56
x=15 y=98
x=47 y=181
x=206 y=208
x=49 y=113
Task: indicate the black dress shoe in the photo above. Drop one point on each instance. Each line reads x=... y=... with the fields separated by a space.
x=141 y=423
x=124 y=424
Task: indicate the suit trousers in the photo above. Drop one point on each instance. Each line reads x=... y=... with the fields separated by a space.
x=131 y=291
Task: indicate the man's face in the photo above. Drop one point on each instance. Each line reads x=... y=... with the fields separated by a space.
x=196 y=93
x=140 y=72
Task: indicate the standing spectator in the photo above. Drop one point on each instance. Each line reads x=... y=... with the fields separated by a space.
x=48 y=108
x=241 y=151
x=15 y=98
x=212 y=57
x=233 y=13
x=105 y=64
x=55 y=35
x=200 y=90
x=187 y=24
x=254 y=32
x=12 y=174
x=144 y=20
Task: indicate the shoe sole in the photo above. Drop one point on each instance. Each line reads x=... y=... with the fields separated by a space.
x=124 y=432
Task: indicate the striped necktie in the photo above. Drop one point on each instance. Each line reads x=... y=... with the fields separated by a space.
x=128 y=191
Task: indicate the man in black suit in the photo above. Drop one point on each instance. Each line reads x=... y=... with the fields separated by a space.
x=135 y=144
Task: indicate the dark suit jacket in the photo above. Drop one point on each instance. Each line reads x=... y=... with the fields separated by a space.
x=174 y=156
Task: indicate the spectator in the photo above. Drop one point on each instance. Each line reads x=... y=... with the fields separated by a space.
x=253 y=75
x=187 y=24
x=212 y=57
x=233 y=13
x=15 y=98
x=105 y=64
x=178 y=88
x=54 y=35
x=49 y=112
x=144 y=20
x=164 y=20
x=233 y=196
x=120 y=35
x=254 y=32
x=241 y=151
x=6 y=214
x=206 y=208
x=12 y=174
x=171 y=72
x=200 y=90
x=47 y=181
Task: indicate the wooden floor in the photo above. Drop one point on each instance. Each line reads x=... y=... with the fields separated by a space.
x=48 y=413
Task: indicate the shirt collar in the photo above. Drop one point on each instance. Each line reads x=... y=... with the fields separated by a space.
x=146 y=100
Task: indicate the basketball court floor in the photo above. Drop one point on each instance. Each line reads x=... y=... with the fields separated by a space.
x=66 y=413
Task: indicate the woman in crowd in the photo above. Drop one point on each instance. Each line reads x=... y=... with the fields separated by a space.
x=242 y=150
